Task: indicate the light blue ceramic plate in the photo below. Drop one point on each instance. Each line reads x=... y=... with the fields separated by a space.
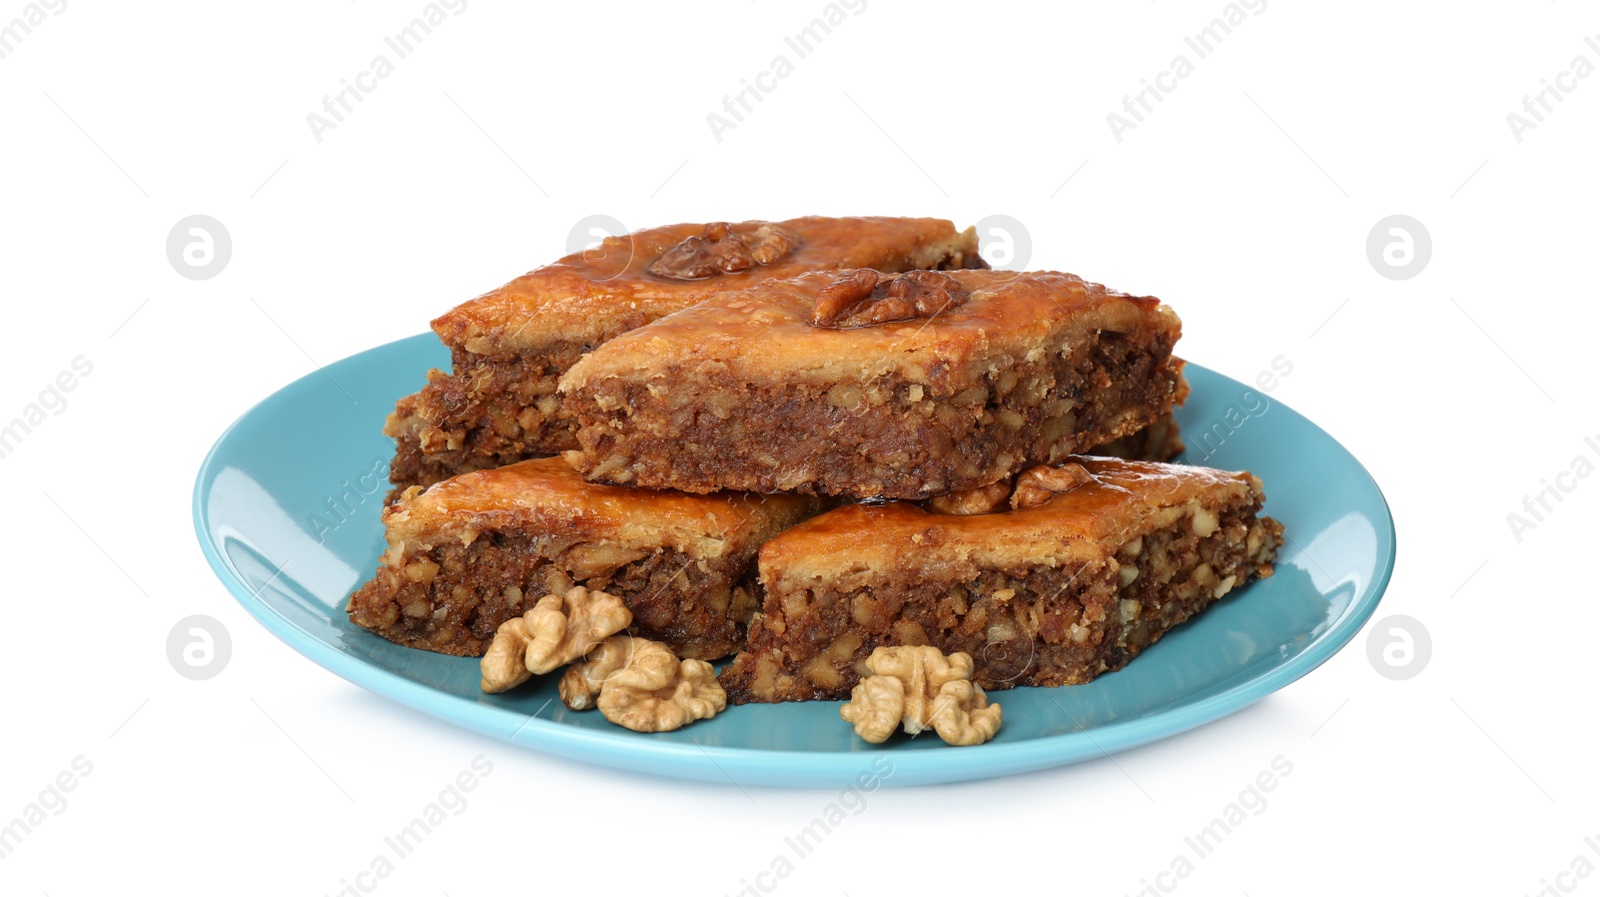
x=287 y=511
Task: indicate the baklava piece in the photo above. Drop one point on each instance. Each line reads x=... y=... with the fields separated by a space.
x=477 y=550
x=1065 y=576
x=509 y=347
x=869 y=384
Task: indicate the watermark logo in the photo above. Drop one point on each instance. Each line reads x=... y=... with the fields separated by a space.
x=199 y=647
x=1010 y=658
x=1004 y=242
x=198 y=247
x=596 y=238
x=52 y=402
x=1399 y=647
x=1399 y=247
x=32 y=16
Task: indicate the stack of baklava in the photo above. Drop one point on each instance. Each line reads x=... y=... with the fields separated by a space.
x=793 y=442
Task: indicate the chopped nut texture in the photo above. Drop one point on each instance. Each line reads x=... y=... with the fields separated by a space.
x=919 y=391
x=497 y=402
x=470 y=553
x=1056 y=594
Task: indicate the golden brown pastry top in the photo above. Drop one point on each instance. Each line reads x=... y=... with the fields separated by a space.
x=598 y=293
x=545 y=496
x=1005 y=318
x=1089 y=521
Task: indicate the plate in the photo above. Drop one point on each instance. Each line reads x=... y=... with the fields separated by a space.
x=287 y=509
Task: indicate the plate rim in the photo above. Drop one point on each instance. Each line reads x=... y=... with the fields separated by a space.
x=786 y=768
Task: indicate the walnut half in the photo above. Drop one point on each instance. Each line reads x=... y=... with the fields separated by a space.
x=862 y=298
x=556 y=630
x=982 y=500
x=921 y=688
x=1038 y=485
x=583 y=681
x=724 y=248
x=657 y=692
x=503 y=667
x=563 y=629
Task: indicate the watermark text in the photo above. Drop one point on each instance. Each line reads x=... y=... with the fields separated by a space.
x=52 y=402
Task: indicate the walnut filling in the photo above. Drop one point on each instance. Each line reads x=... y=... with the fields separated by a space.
x=452 y=598
x=1039 y=626
x=886 y=436
x=1161 y=441
x=496 y=410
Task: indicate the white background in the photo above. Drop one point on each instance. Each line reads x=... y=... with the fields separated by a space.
x=1244 y=200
